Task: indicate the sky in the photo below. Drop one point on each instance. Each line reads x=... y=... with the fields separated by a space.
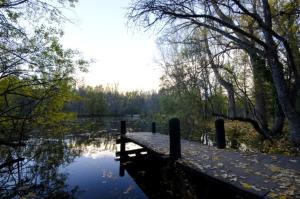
x=123 y=55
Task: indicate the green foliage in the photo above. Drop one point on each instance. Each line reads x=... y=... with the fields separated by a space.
x=37 y=72
x=94 y=100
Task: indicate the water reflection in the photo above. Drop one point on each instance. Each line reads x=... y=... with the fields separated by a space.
x=86 y=167
x=37 y=174
x=74 y=168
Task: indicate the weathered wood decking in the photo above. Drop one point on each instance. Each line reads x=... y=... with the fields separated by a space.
x=266 y=176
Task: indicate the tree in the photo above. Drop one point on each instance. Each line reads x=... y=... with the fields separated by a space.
x=36 y=73
x=275 y=27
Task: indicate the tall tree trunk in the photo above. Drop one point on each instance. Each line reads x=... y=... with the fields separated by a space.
x=278 y=122
x=288 y=107
x=260 y=77
x=260 y=112
x=283 y=92
x=231 y=99
x=278 y=117
x=246 y=107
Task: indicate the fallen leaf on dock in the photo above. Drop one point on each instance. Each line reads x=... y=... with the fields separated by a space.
x=282 y=197
x=220 y=164
x=224 y=175
x=273 y=167
x=257 y=173
x=215 y=158
x=293 y=161
x=273 y=195
x=246 y=185
x=255 y=188
x=233 y=179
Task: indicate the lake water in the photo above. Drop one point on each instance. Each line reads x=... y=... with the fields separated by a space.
x=85 y=167
x=96 y=172
x=77 y=167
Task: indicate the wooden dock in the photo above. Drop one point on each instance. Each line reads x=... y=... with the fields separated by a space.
x=257 y=175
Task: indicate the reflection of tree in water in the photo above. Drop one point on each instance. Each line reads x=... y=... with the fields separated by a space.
x=105 y=142
x=36 y=174
x=33 y=171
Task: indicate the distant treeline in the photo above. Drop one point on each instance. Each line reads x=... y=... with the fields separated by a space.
x=159 y=106
x=108 y=100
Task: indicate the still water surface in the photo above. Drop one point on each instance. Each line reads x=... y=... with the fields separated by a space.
x=86 y=167
x=96 y=172
x=76 y=167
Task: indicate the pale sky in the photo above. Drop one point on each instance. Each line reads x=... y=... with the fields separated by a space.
x=123 y=55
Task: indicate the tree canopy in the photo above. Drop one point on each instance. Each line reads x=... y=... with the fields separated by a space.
x=266 y=32
x=36 y=73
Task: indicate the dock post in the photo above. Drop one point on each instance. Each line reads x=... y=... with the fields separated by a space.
x=153 y=127
x=123 y=127
x=175 y=145
x=122 y=144
x=122 y=148
x=121 y=168
x=220 y=134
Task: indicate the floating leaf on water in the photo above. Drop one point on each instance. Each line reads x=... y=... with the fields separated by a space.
x=129 y=189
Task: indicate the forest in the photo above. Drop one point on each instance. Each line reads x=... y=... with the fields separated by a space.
x=236 y=61
x=243 y=52
x=220 y=59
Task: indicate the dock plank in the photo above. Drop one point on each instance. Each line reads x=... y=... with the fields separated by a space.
x=267 y=176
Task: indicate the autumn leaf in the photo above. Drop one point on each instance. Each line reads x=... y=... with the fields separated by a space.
x=273 y=167
x=293 y=161
x=273 y=195
x=246 y=185
x=220 y=164
x=282 y=197
x=215 y=158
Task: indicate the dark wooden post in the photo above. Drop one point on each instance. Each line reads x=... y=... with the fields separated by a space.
x=174 y=131
x=153 y=127
x=220 y=134
x=121 y=168
x=123 y=127
x=122 y=144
